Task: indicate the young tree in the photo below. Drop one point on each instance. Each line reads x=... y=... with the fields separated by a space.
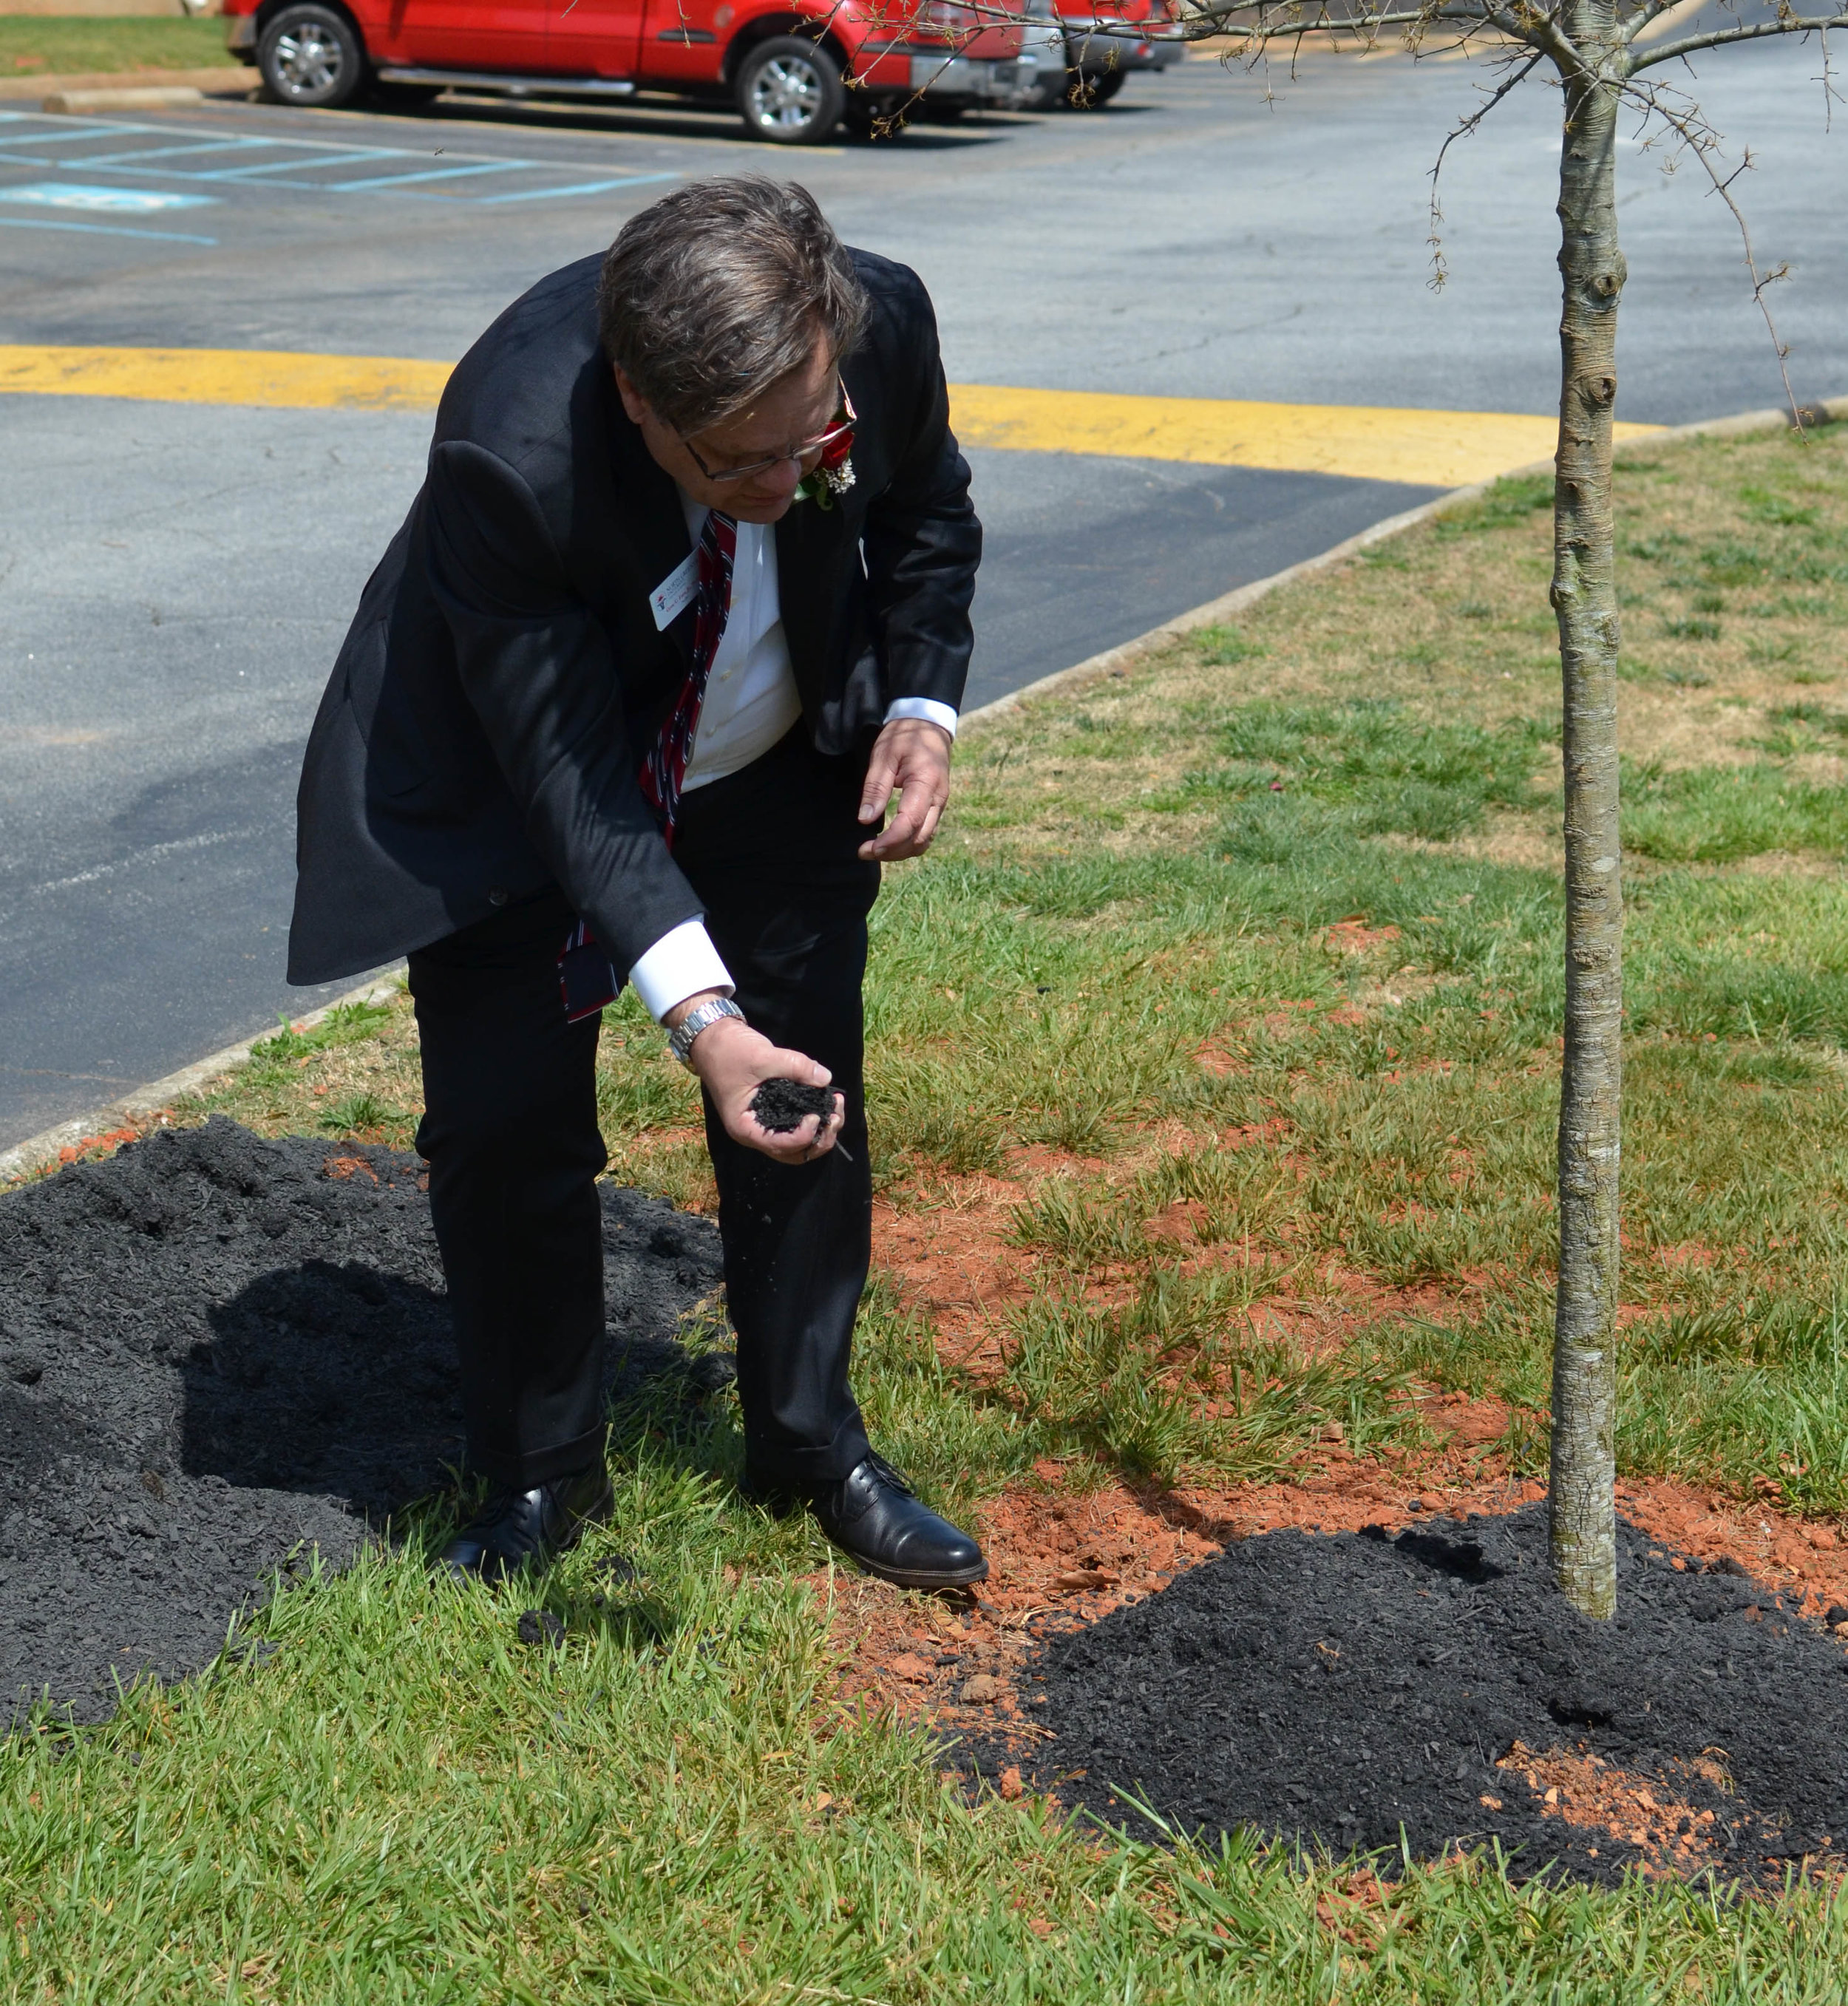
x=1596 y=50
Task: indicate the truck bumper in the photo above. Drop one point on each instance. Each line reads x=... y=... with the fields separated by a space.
x=974 y=79
x=1094 y=54
x=240 y=35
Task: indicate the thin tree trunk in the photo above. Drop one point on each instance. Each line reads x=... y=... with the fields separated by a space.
x=1581 y=1500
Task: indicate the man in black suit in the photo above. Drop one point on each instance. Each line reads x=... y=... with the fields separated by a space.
x=683 y=602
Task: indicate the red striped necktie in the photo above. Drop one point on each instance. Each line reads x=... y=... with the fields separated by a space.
x=587 y=979
x=665 y=768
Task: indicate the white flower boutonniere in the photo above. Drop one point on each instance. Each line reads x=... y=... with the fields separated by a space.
x=834 y=473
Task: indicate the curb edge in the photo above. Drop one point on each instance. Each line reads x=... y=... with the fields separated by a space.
x=38 y=1151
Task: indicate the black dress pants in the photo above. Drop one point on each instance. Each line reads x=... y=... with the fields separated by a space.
x=510 y=1131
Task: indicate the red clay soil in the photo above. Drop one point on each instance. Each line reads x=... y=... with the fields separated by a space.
x=1583 y=1790
x=955 y=1262
x=1064 y=1548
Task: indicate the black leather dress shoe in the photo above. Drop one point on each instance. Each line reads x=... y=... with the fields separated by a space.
x=874 y=1515
x=516 y=1527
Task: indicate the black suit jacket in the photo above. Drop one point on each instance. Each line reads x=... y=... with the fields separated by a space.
x=482 y=731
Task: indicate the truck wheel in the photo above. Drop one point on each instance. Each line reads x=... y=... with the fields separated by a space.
x=872 y=118
x=309 y=54
x=1092 y=93
x=790 y=91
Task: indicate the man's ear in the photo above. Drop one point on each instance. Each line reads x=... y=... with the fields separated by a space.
x=634 y=403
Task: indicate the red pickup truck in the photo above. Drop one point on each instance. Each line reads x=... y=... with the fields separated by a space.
x=794 y=69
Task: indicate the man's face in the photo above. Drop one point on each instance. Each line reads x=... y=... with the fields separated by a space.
x=799 y=407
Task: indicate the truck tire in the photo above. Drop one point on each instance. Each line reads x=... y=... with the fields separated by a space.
x=309 y=54
x=790 y=91
x=873 y=118
x=1092 y=92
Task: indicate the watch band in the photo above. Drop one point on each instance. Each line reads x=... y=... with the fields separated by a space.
x=680 y=1040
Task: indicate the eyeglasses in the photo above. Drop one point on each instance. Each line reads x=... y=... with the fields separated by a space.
x=802 y=449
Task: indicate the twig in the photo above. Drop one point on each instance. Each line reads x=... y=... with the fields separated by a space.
x=1458 y=131
x=1703 y=142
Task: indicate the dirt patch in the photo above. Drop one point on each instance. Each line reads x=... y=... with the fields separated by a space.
x=1335 y=1689
x=218 y=1351
x=952 y=1259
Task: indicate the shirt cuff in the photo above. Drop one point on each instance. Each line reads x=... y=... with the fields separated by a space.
x=682 y=963
x=928 y=708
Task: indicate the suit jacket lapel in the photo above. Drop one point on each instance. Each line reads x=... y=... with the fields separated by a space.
x=649 y=516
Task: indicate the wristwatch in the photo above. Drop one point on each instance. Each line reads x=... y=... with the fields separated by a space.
x=680 y=1040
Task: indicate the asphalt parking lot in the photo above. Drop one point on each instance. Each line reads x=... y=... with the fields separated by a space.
x=177 y=576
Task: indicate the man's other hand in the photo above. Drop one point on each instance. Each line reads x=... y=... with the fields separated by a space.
x=911 y=758
x=733 y=1062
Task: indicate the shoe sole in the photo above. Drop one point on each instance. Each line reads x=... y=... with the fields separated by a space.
x=912 y=1577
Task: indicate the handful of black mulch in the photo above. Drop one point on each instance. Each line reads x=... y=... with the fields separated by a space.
x=782 y=1105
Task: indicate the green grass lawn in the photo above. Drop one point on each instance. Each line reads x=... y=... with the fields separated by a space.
x=1264 y=934
x=73 y=45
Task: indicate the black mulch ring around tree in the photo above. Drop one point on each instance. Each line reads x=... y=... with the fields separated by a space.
x=1341 y=1691
x=218 y=1351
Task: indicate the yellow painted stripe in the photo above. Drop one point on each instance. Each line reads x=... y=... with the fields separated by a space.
x=1429 y=449
x=269 y=377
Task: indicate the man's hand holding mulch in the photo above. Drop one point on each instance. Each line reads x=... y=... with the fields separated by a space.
x=733 y=1062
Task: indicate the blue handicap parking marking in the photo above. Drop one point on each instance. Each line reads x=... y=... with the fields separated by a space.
x=35 y=139
x=170 y=154
x=251 y=173
x=104 y=201
x=137 y=156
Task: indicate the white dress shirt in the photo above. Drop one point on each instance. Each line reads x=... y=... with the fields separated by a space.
x=749 y=705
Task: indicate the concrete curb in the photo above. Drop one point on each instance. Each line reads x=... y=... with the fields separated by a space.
x=1829 y=410
x=227 y=80
x=145 y=98
x=38 y=1151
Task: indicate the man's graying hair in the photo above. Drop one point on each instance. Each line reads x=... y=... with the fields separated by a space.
x=717 y=291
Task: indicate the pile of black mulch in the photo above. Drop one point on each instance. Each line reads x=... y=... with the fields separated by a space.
x=1339 y=1690
x=217 y=1352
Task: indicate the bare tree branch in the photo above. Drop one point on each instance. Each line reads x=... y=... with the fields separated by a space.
x=1458 y=131
x=1688 y=45
x=1651 y=10
x=1252 y=24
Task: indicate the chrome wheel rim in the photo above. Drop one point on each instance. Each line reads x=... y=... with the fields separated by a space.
x=785 y=94
x=308 y=61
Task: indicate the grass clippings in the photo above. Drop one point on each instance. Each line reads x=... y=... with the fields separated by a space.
x=1211 y=1082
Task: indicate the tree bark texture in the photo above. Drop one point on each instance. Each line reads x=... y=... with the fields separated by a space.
x=1581 y=1491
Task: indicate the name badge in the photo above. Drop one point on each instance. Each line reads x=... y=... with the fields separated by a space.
x=674 y=594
